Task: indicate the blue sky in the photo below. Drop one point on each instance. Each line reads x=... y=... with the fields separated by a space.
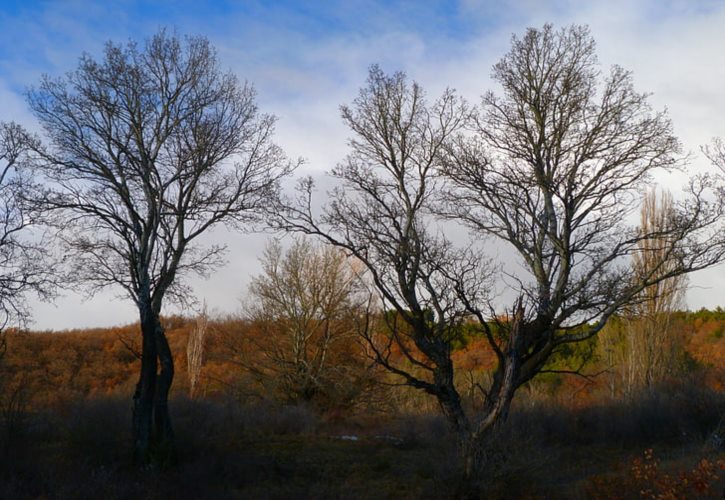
x=306 y=58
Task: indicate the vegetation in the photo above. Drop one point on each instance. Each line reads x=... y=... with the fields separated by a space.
x=305 y=304
x=552 y=168
x=25 y=265
x=566 y=437
x=379 y=354
x=148 y=149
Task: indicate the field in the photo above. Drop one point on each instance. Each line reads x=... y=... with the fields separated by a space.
x=66 y=417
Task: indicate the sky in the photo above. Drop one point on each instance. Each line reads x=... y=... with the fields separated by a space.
x=306 y=58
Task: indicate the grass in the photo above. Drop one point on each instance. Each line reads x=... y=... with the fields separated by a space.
x=65 y=433
x=230 y=450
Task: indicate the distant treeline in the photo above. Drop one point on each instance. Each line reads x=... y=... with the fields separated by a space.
x=50 y=368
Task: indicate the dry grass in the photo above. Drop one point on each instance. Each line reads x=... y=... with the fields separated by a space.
x=65 y=402
x=272 y=451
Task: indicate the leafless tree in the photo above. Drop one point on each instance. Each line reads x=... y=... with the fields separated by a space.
x=555 y=169
x=149 y=148
x=304 y=302
x=382 y=215
x=23 y=267
x=653 y=342
x=195 y=349
x=643 y=343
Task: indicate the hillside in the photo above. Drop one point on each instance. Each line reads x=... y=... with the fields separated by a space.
x=66 y=412
x=57 y=366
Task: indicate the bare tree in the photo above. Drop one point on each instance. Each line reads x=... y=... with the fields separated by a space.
x=149 y=148
x=652 y=340
x=304 y=302
x=643 y=343
x=382 y=215
x=195 y=349
x=23 y=267
x=555 y=169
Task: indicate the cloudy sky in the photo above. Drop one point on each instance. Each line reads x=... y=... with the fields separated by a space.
x=307 y=58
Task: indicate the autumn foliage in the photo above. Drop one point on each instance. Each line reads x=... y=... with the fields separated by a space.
x=57 y=367
x=69 y=388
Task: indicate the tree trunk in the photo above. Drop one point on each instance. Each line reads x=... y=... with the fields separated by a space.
x=153 y=435
x=472 y=439
x=498 y=403
x=473 y=444
x=143 y=397
x=449 y=399
x=164 y=434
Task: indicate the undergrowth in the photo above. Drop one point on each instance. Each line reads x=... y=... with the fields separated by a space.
x=81 y=449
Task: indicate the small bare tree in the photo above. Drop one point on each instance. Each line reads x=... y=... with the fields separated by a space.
x=195 y=349
x=148 y=149
x=642 y=344
x=652 y=343
x=303 y=303
x=23 y=266
x=555 y=169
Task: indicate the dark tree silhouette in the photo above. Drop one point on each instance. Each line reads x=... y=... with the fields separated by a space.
x=382 y=215
x=23 y=266
x=149 y=148
x=556 y=169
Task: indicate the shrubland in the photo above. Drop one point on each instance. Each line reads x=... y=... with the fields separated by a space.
x=65 y=412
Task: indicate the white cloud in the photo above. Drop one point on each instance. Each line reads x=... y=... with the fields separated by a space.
x=674 y=49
